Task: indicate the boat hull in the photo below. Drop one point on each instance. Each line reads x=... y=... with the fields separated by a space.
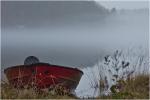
x=43 y=76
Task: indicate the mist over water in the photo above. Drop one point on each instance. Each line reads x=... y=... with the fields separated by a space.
x=75 y=34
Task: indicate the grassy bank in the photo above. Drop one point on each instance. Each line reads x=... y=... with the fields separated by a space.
x=133 y=88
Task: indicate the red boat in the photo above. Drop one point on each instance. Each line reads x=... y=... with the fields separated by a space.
x=42 y=75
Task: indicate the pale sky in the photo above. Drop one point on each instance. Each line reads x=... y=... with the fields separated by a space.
x=124 y=4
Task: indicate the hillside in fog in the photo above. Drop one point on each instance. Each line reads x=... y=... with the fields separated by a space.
x=33 y=14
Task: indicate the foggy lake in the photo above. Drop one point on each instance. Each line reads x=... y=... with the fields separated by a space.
x=68 y=33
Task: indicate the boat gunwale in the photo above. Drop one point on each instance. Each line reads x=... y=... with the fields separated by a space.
x=37 y=65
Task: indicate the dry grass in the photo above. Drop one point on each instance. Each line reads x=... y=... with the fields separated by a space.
x=8 y=92
x=133 y=88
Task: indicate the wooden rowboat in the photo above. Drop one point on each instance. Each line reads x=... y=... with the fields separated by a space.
x=43 y=75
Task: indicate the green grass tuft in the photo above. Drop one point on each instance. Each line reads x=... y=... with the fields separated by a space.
x=133 y=88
